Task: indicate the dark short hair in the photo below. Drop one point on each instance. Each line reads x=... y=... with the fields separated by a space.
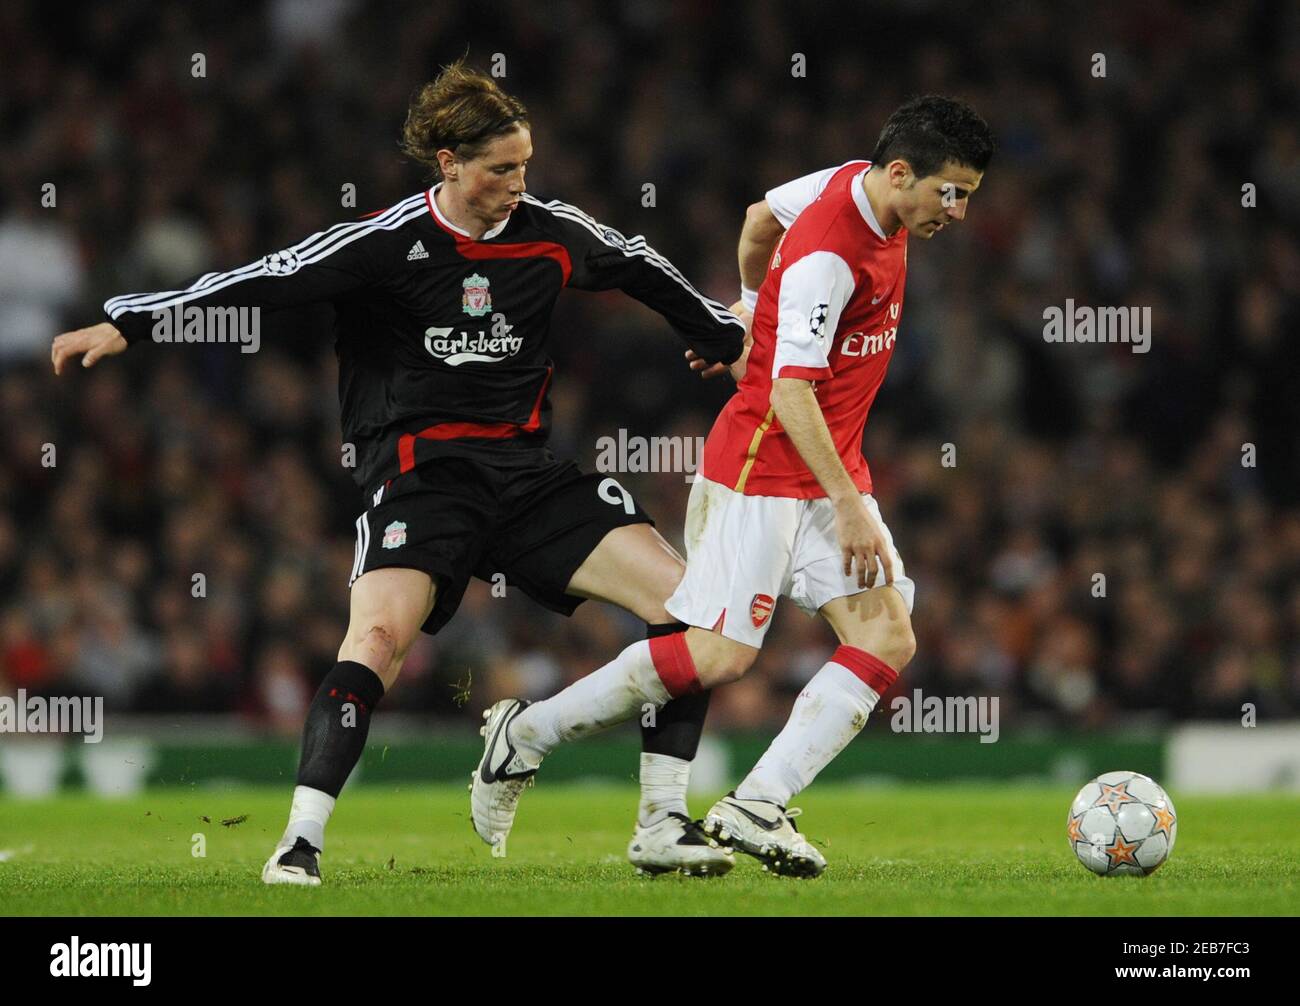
x=932 y=130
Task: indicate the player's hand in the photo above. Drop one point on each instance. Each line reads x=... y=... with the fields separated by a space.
x=737 y=367
x=702 y=366
x=862 y=539
x=98 y=340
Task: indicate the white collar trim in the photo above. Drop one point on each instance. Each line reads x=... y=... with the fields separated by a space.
x=864 y=204
x=433 y=204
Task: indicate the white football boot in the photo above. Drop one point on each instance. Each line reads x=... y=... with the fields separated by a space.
x=500 y=777
x=294 y=864
x=678 y=843
x=766 y=831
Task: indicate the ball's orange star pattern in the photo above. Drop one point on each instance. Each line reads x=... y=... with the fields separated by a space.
x=1164 y=821
x=1114 y=796
x=1121 y=852
x=1075 y=834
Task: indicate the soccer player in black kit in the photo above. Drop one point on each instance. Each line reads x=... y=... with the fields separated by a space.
x=443 y=305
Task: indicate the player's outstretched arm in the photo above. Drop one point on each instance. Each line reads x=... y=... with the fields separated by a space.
x=603 y=259
x=861 y=537
x=323 y=267
x=758 y=237
x=737 y=367
x=90 y=344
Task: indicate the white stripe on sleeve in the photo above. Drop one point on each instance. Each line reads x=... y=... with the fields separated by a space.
x=308 y=251
x=635 y=246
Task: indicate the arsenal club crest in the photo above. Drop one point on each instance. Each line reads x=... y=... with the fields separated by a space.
x=477 y=298
x=760 y=609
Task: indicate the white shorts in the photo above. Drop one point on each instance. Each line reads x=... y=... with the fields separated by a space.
x=743 y=552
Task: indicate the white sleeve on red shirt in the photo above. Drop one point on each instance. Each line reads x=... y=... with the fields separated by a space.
x=789 y=200
x=813 y=293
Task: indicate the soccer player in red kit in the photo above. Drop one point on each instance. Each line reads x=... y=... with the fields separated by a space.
x=783 y=504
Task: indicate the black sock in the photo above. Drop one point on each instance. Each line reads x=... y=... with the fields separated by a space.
x=679 y=724
x=335 y=735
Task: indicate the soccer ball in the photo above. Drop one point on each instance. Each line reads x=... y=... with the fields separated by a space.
x=1122 y=822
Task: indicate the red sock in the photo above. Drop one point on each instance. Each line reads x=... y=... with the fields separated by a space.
x=877 y=674
x=674 y=665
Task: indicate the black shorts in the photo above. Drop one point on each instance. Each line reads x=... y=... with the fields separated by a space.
x=456 y=517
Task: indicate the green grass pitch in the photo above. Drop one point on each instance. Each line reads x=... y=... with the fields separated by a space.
x=918 y=850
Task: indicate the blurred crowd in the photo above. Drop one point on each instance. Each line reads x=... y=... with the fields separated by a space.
x=1097 y=536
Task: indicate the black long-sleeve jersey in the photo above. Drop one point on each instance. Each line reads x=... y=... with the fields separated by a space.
x=442 y=339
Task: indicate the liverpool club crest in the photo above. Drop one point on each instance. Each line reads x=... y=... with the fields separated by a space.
x=477 y=299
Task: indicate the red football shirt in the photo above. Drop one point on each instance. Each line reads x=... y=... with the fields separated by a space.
x=828 y=312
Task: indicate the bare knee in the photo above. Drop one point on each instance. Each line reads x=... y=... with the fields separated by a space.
x=381 y=644
x=903 y=647
x=893 y=642
x=719 y=661
x=650 y=606
x=725 y=670
x=876 y=621
x=376 y=649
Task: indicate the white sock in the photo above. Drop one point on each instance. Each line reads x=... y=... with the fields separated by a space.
x=308 y=815
x=828 y=714
x=608 y=695
x=663 y=787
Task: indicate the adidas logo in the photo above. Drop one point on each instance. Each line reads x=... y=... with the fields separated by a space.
x=417 y=251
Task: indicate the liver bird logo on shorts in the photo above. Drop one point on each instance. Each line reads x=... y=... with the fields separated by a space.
x=760 y=609
x=395 y=534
